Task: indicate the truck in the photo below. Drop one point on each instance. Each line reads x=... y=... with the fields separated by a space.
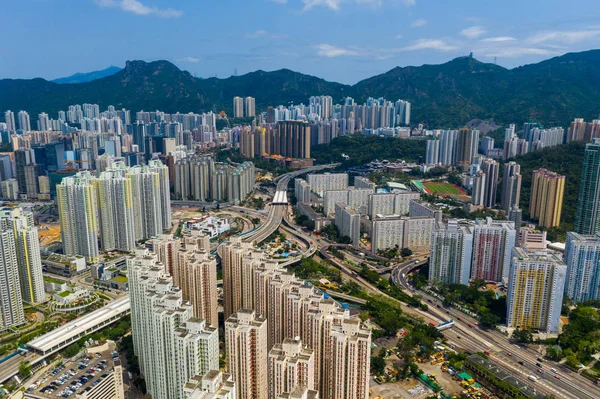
x=533 y=378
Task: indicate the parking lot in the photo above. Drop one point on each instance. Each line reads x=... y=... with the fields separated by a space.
x=73 y=377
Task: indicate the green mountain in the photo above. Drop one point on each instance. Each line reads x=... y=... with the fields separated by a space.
x=83 y=77
x=448 y=95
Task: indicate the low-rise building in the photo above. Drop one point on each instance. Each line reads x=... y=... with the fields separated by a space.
x=210 y=225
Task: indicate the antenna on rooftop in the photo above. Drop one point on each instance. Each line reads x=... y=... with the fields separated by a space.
x=235 y=72
x=496 y=60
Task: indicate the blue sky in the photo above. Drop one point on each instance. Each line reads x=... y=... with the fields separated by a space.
x=341 y=40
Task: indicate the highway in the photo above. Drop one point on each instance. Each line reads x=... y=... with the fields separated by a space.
x=570 y=385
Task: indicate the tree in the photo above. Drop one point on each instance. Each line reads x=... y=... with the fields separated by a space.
x=523 y=336
x=488 y=320
x=406 y=252
x=555 y=353
x=24 y=369
x=377 y=365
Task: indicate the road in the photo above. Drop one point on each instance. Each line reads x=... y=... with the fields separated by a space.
x=570 y=385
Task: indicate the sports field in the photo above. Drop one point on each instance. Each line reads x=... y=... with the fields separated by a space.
x=443 y=189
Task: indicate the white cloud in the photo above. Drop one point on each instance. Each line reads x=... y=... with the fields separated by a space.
x=473 y=32
x=498 y=39
x=257 y=34
x=515 y=52
x=398 y=36
x=417 y=23
x=329 y=51
x=138 y=8
x=192 y=60
x=335 y=5
x=429 y=44
x=566 y=37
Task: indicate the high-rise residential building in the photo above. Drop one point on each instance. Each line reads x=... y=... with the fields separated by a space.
x=319 y=183
x=116 y=209
x=249 y=107
x=451 y=252
x=535 y=290
x=11 y=305
x=401 y=232
x=515 y=215
x=493 y=242
x=290 y=365
x=43 y=122
x=213 y=385
x=347 y=220
x=238 y=107
x=418 y=208
x=587 y=219
x=10 y=189
x=432 y=152
x=511 y=186
x=9 y=118
x=447 y=148
x=546 y=200
x=364 y=182
x=78 y=214
x=582 y=256
x=247 y=353
x=490 y=168
x=197 y=271
x=478 y=190
x=291 y=139
x=487 y=144
x=467 y=143
x=28 y=252
x=302 y=190
x=577 y=130
x=31 y=180
x=24 y=121
x=23 y=158
x=171 y=344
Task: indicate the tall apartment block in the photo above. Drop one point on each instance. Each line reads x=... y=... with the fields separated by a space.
x=490 y=168
x=493 y=242
x=535 y=290
x=171 y=344
x=213 y=385
x=78 y=214
x=11 y=303
x=582 y=256
x=587 y=219
x=238 y=107
x=302 y=190
x=28 y=252
x=247 y=354
x=249 y=107
x=511 y=186
x=451 y=251
x=402 y=232
x=545 y=203
x=319 y=183
x=364 y=182
x=291 y=365
x=347 y=220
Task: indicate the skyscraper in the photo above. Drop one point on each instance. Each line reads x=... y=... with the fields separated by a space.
x=587 y=219
x=577 y=130
x=582 y=256
x=28 y=252
x=78 y=214
x=116 y=209
x=171 y=344
x=451 y=251
x=490 y=168
x=247 y=354
x=467 y=142
x=24 y=121
x=478 y=190
x=545 y=203
x=493 y=242
x=535 y=290
x=11 y=305
x=9 y=118
x=238 y=107
x=432 y=153
x=290 y=365
x=249 y=107
x=511 y=186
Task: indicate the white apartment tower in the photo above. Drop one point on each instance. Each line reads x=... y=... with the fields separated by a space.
x=451 y=250
x=172 y=344
x=28 y=252
x=11 y=305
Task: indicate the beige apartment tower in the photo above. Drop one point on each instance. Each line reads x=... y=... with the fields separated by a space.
x=547 y=191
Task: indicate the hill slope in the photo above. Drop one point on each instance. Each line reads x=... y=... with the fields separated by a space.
x=448 y=95
x=88 y=76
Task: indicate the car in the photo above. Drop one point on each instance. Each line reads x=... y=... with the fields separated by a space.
x=521 y=363
x=458 y=336
x=447 y=312
x=509 y=354
x=540 y=371
x=557 y=377
x=538 y=364
x=438 y=306
x=539 y=359
x=553 y=370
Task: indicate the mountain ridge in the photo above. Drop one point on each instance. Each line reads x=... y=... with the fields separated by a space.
x=447 y=95
x=84 y=77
